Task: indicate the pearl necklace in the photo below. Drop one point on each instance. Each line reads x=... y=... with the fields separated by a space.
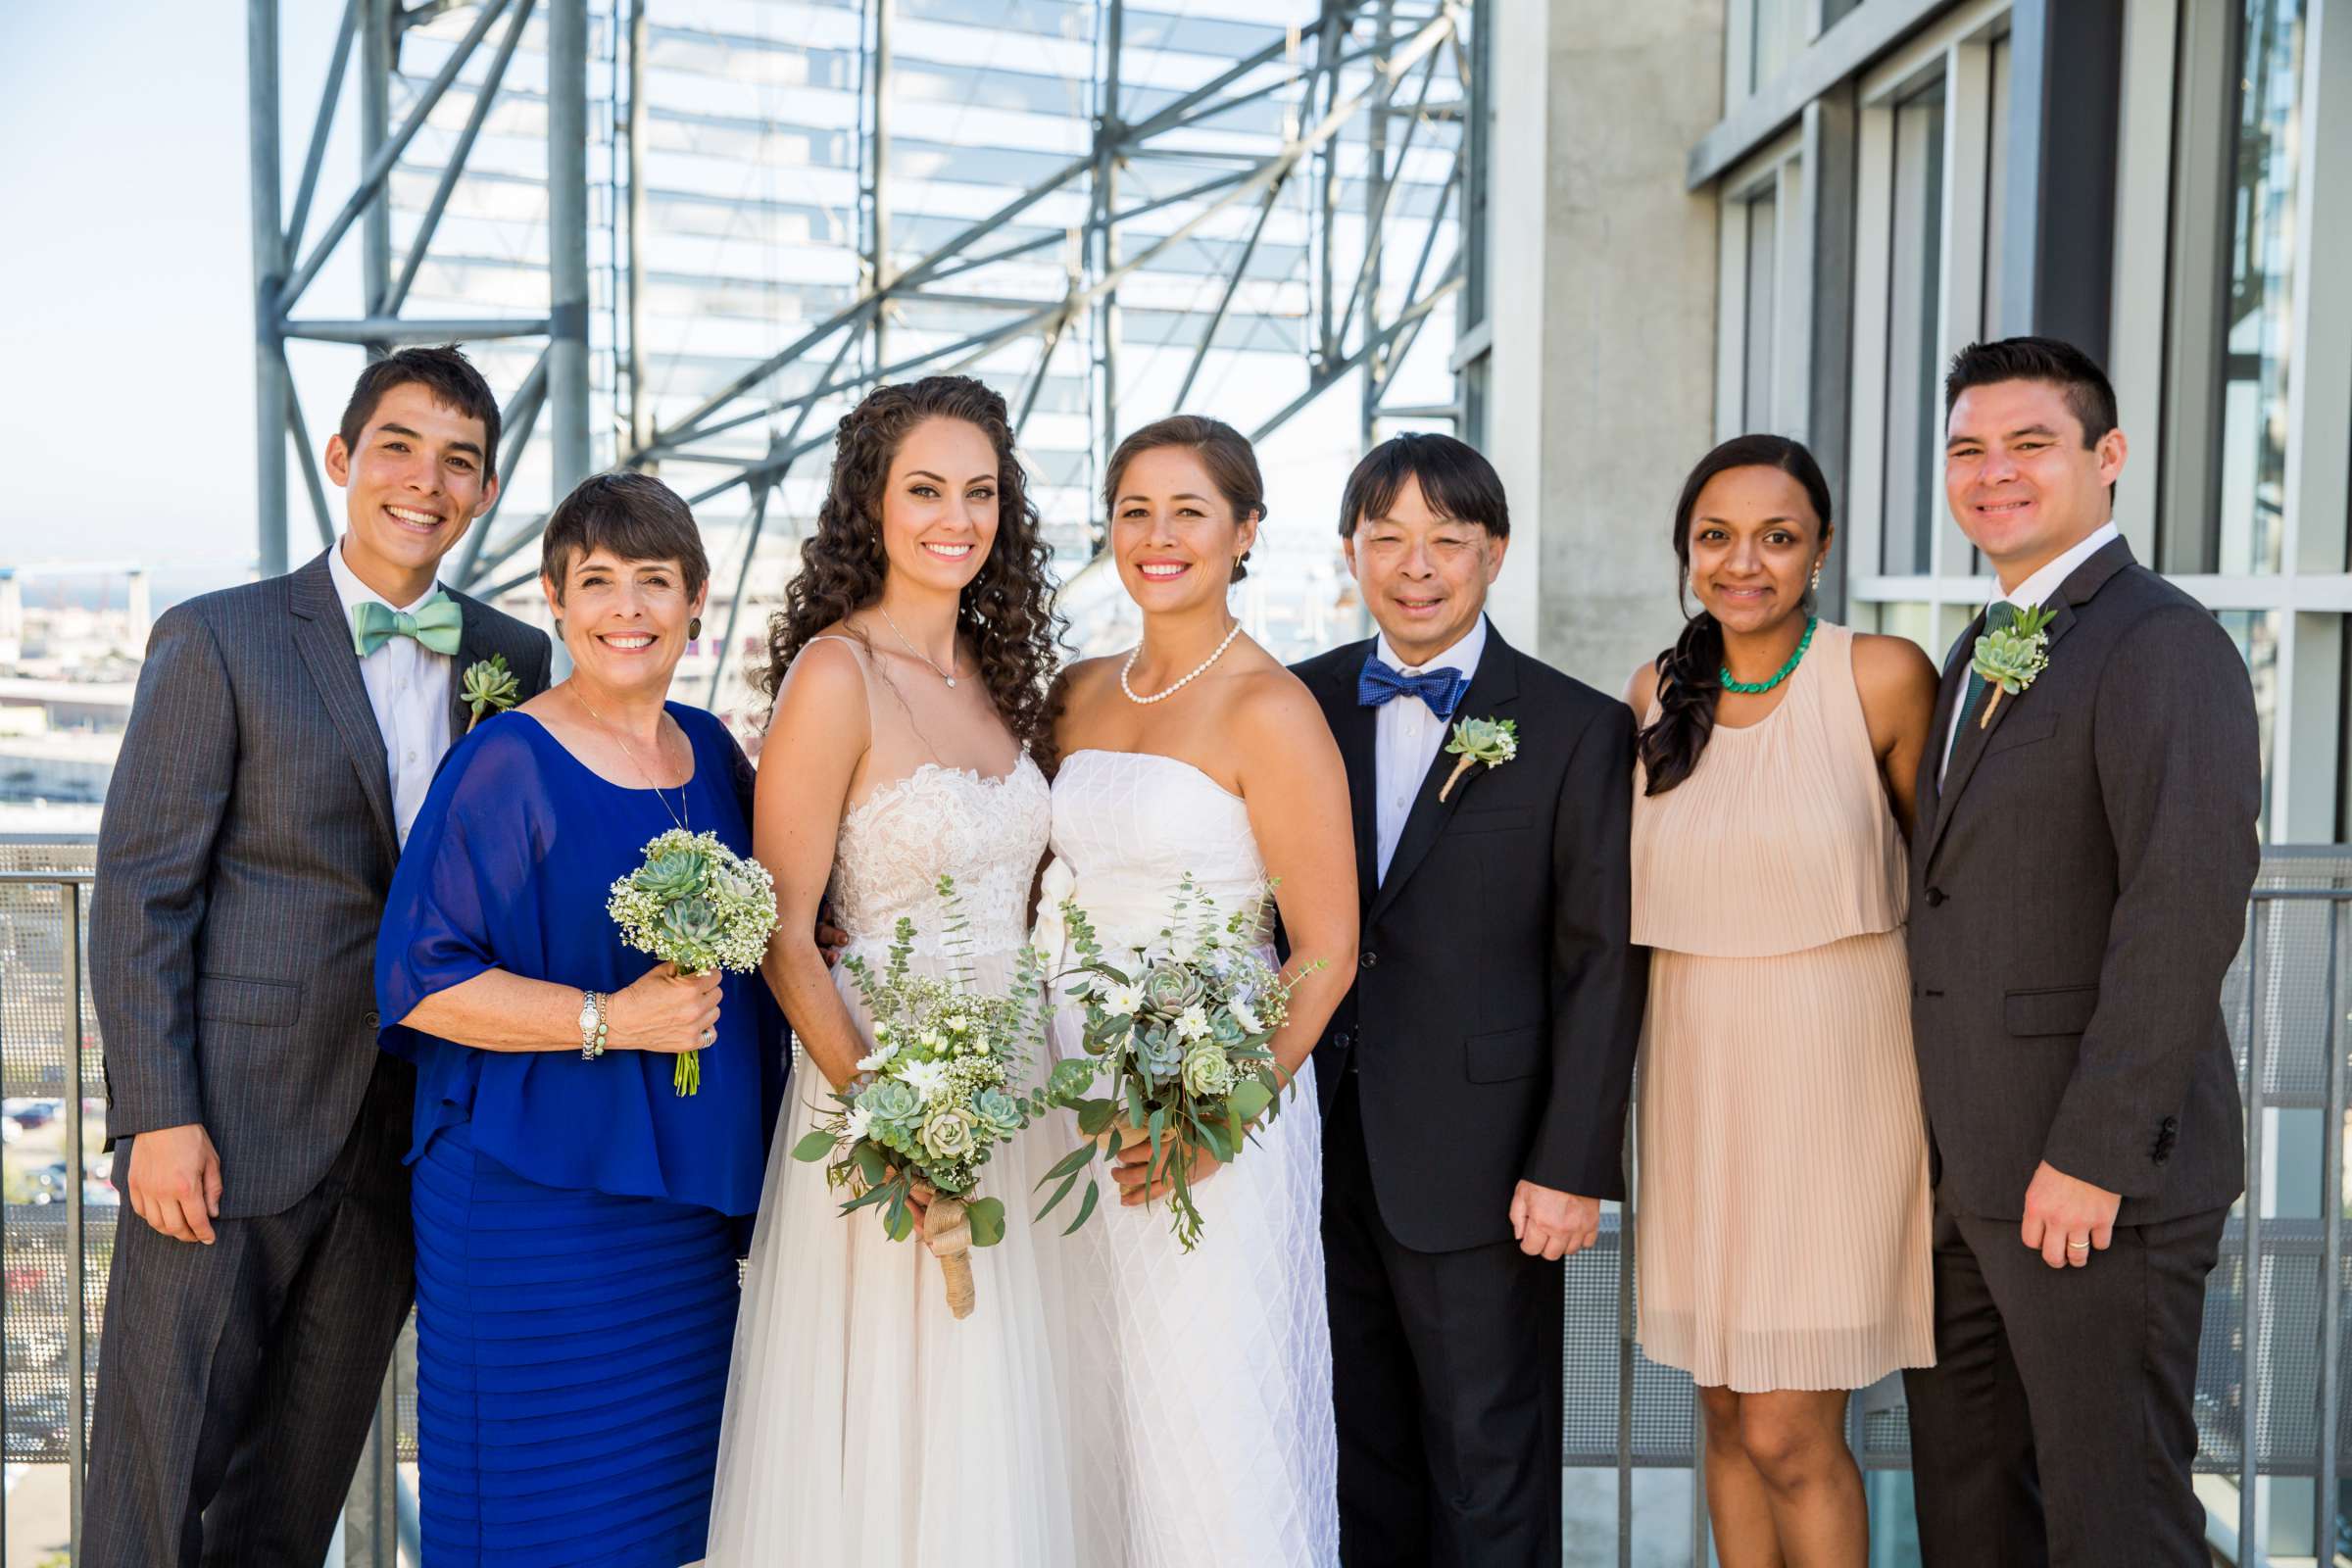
x=1197 y=671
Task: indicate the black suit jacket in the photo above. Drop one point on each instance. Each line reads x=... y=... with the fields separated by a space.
x=1497 y=1000
x=247 y=845
x=2079 y=888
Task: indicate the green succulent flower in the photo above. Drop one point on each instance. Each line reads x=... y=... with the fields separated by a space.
x=1172 y=987
x=690 y=922
x=1160 y=1054
x=2011 y=658
x=894 y=1105
x=673 y=874
x=997 y=1111
x=1208 y=1073
x=951 y=1133
x=488 y=687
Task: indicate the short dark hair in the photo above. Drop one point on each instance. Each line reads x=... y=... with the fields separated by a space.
x=1456 y=478
x=635 y=515
x=2090 y=395
x=1226 y=453
x=444 y=372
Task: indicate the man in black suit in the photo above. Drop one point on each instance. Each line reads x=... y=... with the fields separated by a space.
x=1474 y=1082
x=2086 y=840
x=283 y=739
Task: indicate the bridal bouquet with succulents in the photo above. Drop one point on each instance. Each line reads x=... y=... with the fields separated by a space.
x=938 y=1095
x=1181 y=1032
x=696 y=903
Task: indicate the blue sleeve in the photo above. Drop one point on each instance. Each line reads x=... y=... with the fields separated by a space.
x=465 y=875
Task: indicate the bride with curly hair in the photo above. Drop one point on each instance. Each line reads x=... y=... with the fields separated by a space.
x=909 y=668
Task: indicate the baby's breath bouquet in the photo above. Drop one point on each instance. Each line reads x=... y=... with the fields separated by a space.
x=939 y=1092
x=696 y=903
x=1183 y=1030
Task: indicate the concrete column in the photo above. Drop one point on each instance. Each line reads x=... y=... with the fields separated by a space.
x=1602 y=388
x=142 y=616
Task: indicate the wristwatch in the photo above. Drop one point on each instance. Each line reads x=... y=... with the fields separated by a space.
x=592 y=1024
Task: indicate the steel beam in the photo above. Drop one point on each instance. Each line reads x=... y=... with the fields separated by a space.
x=878 y=255
x=568 y=240
x=273 y=392
x=397 y=330
x=641 y=410
x=321 y=125
x=484 y=96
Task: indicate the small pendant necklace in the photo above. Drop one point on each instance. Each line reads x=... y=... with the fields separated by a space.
x=683 y=805
x=1198 y=669
x=946 y=676
x=1757 y=688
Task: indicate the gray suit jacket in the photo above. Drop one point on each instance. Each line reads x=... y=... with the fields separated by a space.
x=2079 y=888
x=247 y=843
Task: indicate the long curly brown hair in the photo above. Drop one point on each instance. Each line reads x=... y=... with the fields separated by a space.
x=1007 y=609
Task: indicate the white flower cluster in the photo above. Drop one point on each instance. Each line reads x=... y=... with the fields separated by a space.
x=696 y=903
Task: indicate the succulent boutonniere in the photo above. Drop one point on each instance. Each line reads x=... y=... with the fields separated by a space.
x=2010 y=659
x=1491 y=741
x=489 y=688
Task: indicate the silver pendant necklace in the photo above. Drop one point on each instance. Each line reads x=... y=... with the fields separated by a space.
x=943 y=674
x=683 y=805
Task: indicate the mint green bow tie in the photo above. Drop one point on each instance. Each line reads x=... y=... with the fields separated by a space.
x=437 y=623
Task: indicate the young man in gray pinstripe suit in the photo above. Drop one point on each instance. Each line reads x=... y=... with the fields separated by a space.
x=283 y=739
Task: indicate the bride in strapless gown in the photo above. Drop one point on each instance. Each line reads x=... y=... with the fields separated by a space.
x=1198 y=1383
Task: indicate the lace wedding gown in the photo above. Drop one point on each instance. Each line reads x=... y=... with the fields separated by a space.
x=864 y=1424
x=1198 y=1385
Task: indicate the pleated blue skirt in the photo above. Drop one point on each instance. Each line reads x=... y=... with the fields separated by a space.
x=572 y=1367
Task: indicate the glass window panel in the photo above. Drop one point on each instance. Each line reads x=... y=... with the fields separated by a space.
x=1763 y=254
x=2256 y=633
x=1996 y=184
x=2258 y=302
x=1777 y=24
x=1905 y=618
x=1914 y=406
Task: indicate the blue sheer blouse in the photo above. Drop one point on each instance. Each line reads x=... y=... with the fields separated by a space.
x=508 y=867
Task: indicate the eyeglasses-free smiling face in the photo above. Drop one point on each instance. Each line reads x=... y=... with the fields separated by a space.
x=2020 y=481
x=1754 y=542
x=939 y=505
x=1173 y=535
x=1424 y=575
x=413 y=484
x=625 y=621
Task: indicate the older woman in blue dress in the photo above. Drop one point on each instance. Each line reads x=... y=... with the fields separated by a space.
x=575 y=1213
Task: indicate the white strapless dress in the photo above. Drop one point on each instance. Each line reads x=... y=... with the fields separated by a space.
x=1197 y=1385
x=864 y=1424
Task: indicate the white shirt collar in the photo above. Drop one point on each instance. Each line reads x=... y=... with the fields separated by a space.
x=2038 y=589
x=1463 y=656
x=354 y=592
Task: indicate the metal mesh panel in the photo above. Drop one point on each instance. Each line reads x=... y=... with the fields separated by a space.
x=1663 y=1432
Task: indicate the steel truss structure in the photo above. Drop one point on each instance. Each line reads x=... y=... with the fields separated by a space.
x=1346 y=131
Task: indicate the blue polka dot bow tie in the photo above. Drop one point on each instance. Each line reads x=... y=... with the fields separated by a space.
x=1441 y=688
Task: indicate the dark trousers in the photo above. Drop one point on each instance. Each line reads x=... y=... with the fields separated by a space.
x=2057 y=1426
x=236 y=1382
x=1448 y=1385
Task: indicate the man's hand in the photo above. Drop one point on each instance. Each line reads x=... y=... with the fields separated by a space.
x=175 y=1182
x=1552 y=1225
x=2066 y=1220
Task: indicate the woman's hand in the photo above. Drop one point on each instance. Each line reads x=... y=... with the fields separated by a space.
x=1129 y=1173
x=664 y=1011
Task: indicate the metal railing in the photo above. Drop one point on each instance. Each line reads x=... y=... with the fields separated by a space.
x=2269 y=1374
x=2275 y=1318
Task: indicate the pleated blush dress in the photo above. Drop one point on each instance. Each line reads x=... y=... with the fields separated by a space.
x=1783 y=1207
x=577 y=1222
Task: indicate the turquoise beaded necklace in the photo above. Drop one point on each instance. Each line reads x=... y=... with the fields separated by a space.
x=1757 y=688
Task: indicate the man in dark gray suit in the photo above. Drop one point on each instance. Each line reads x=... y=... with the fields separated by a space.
x=281 y=741
x=2086 y=841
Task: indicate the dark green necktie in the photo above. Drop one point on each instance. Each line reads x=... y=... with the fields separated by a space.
x=2000 y=616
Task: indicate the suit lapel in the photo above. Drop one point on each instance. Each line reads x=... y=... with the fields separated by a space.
x=1968 y=745
x=474 y=644
x=322 y=636
x=1494 y=686
x=1356 y=727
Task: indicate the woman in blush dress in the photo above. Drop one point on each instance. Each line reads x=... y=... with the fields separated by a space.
x=865 y=1424
x=1784 y=1160
x=1200 y=1414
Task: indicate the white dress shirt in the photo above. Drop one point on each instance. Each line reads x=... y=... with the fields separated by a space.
x=409 y=687
x=1407 y=737
x=2031 y=594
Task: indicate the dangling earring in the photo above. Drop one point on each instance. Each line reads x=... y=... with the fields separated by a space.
x=694 y=627
x=1817 y=576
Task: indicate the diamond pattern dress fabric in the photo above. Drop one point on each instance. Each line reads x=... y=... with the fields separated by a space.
x=1199 y=1385
x=863 y=1423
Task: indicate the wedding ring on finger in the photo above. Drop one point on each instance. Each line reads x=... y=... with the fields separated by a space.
x=2078 y=1246
x=710 y=1035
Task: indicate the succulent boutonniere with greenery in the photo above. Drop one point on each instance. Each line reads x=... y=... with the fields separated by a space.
x=1491 y=741
x=489 y=688
x=2010 y=659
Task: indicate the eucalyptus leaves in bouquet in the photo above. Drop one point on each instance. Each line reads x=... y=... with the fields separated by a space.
x=937 y=1095
x=696 y=903
x=1181 y=1034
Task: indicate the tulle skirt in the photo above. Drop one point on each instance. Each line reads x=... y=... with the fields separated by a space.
x=865 y=1424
